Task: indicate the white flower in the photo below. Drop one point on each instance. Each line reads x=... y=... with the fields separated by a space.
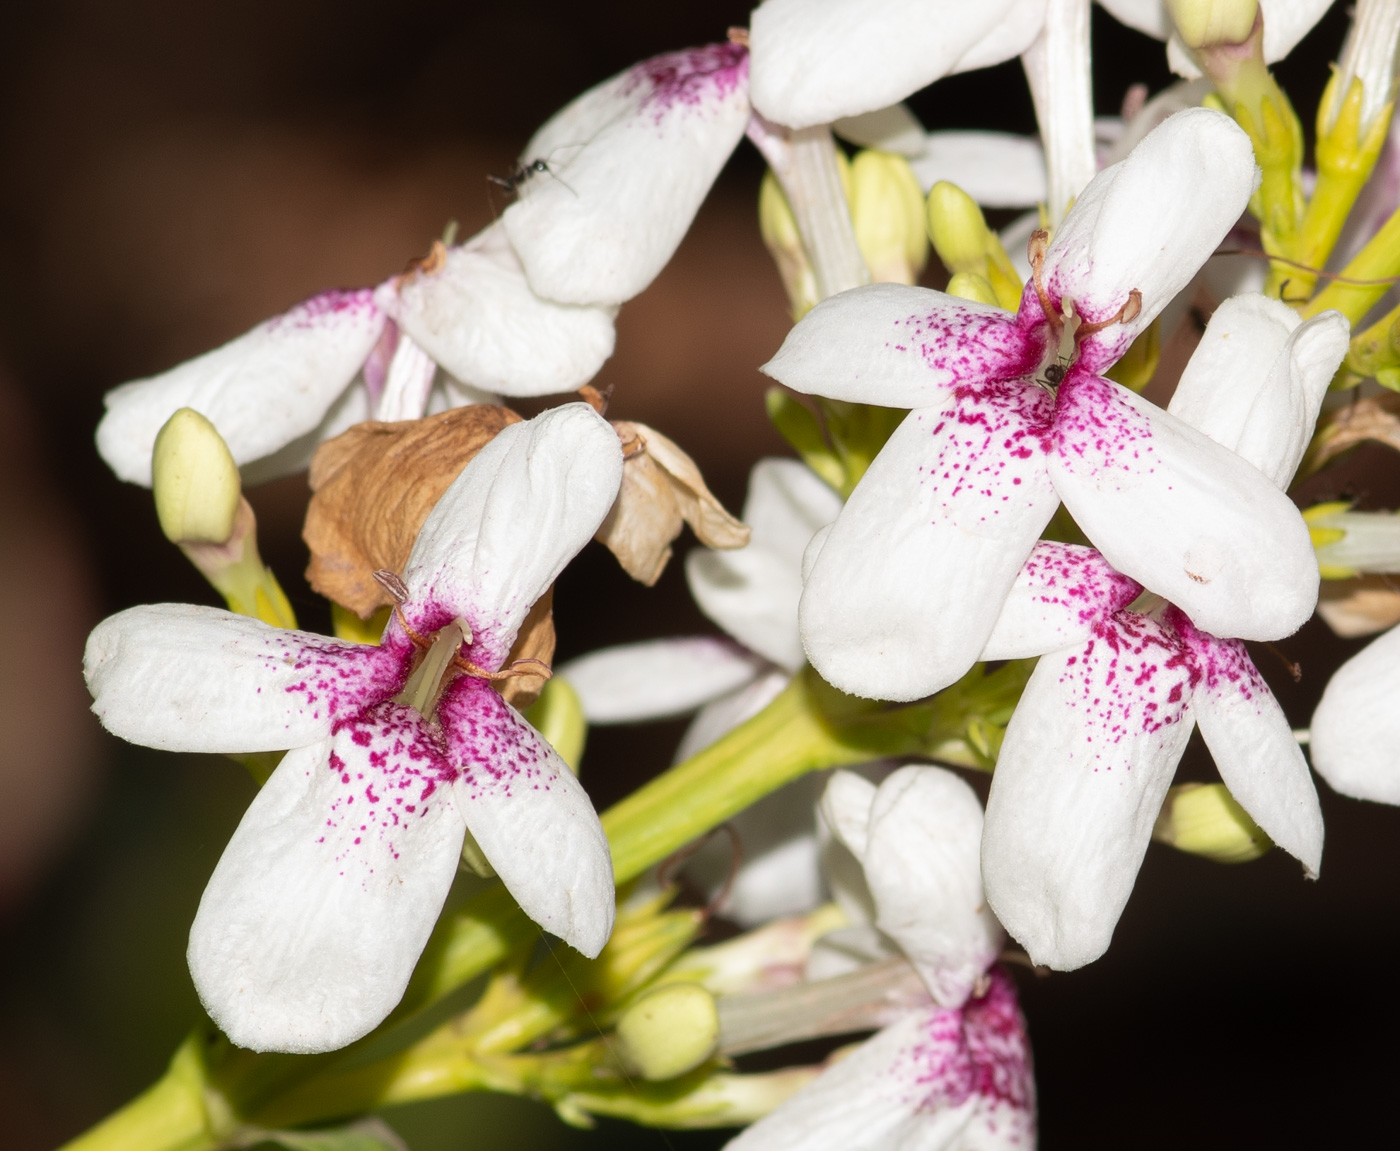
x=1355 y=730
x=316 y=914
x=1091 y=749
x=907 y=586
x=951 y=1075
x=752 y=593
x=341 y=357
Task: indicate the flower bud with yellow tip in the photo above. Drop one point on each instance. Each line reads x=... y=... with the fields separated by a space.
x=1204 y=819
x=1208 y=22
x=195 y=481
x=887 y=211
x=669 y=1031
x=966 y=245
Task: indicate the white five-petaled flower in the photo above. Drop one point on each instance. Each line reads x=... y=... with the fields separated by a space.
x=316 y=914
x=1096 y=737
x=752 y=593
x=905 y=590
x=956 y=1073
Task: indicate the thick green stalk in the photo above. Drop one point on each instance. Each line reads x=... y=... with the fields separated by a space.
x=1378 y=260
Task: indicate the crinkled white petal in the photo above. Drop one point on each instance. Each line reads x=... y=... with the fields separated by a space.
x=1252 y=744
x=923 y=869
x=1355 y=741
x=501 y=534
x=325 y=896
x=1085 y=765
x=658 y=678
x=997 y=169
x=629 y=163
x=262 y=390
x=1182 y=515
x=1063 y=591
x=530 y=816
x=907 y=587
x=901 y=347
x=724 y=714
x=1256 y=380
x=478 y=318
x=186 y=678
x=1149 y=223
x=815 y=61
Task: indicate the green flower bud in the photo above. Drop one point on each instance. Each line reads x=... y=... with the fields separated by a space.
x=558 y=716
x=887 y=211
x=971 y=286
x=669 y=1031
x=966 y=245
x=778 y=227
x=1208 y=22
x=195 y=481
x=1204 y=819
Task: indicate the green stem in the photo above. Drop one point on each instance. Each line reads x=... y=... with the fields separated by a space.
x=1378 y=260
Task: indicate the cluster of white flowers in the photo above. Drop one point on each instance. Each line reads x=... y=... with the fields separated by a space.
x=932 y=559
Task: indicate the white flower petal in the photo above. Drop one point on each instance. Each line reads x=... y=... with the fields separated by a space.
x=530 y=816
x=996 y=169
x=501 y=534
x=1185 y=517
x=907 y=587
x=629 y=163
x=1356 y=727
x=787 y=502
x=901 y=347
x=894 y=129
x=1083 y=770
x=1256 y=381
x=1252 y=744
x=1058 y=72
x=478 y=318
x=1147 y=16
x=729 y=711
x=1006 y=40
x=753 y=594
x=848 y=949
x=262 y=390
x=658 y=678
x=1286 y=22
x=325 y=896
x=1063 y=591
x=815 y=61
x=351 y=408
x=186 y=678
x=846 y=805
x=923 y=869
x=1149 y=223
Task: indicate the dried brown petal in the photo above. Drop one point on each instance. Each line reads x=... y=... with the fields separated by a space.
x=1361 y=606
x=1373 y=418
x=535 y=640
x=661 y=490
x=374 y=485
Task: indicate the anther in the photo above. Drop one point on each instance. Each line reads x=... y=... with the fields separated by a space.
x=1126 y=314
x=1035 y=254
x=518 y=667
x=392 y=584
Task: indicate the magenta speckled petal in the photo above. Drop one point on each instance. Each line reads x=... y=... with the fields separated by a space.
x=817 y=62
x=902 y=347
x=629 y=163
x=320 y=906
x=262 y=390
x=939 y=1078
x=530 y=816
x=1252 y=743
x=507 y=526
x=1185 y=517
x=478 y=318
x=1083 y=770
x=186 y=678
x=1063 y=591
x=908 y=585
x=1356 y=727
x=925 y=874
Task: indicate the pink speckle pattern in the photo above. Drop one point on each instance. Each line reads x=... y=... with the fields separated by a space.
x=1075 y=582
x=335 y=308
x=964 y=345
x=1098 y=436
x=1131 y=680
x=387 y=764
x=691 y=80
x=979 y=1050
x=492 y=748
x=1223 y=666
x=326 y=679
x=986 y=452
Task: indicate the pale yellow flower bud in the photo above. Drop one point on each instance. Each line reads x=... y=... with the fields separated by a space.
x=957 y=229
x=1204 y=819
x=195 y=481
x=971 y=286
x=1202 y=23
x=778 y=227
x=669 y=1031
x=887 y=210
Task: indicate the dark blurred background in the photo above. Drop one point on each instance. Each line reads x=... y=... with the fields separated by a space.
x=175 y=173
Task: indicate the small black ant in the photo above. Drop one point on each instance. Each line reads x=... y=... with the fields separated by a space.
x=520 y=175
x=1055 y=375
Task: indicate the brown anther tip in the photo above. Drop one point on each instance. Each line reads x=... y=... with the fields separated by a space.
x=1132 y=308
x=739 y=36
x=632 y=444
x=596 y=399
x=1036 y=246
x=519 y=667
x=392 y=584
